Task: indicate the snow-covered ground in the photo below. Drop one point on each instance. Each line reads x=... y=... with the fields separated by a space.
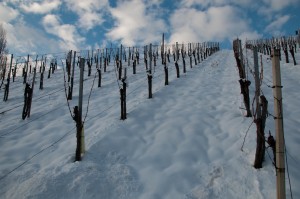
x=184 y=143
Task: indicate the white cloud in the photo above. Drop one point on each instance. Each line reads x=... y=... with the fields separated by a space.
x=70 y=39
x=24 y=39
x=21 y=37
x=276 y=5
x=41 y=7
x=214 y=3
x=216 y=23
x=269 y=8
x=276 y=25
x=7 y=13
x=90 y=12
x=135 y=27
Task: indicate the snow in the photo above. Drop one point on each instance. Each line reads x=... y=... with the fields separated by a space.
x=184 y=143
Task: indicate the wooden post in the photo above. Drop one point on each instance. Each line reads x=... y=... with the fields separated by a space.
x=69 y=64
x=164 y=59
x=10 y=66
x=260 y=137
x=194 y=54
x=123 y=99
x=150 y=59
x=101 y=58
x=31 y=95
x=298 y=38
x=80 y=129
x=26 y=69
x=99 y=68
x=280 y=164
x=166 y=70
x=80 y=104
x=129 y=56
x=190 y=54
x=149 y=74
x=8 y=80
x=89 y=64
x=177 y=52
x=3 y=66
x=257 y=82
x=51 y=66
x=291 y=48
x=42 y=76
x=183 y=58
x=244 y=83
x=176 y=55
x=105 y=60
x=15 y=71
x=177 y=69
x=134 y=66
x=162 y=51
x=41 y=64
x=99 y=77
x=120 y=63
x=285 y=50
x=70 y=94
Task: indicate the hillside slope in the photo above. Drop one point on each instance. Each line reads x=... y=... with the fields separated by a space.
x=184 y=143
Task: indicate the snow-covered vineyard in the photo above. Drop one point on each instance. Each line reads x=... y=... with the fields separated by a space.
x=190 y=140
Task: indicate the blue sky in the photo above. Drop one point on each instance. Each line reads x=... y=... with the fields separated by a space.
x=48 y=26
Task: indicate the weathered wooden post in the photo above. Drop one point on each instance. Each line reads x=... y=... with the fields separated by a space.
x=129 y=56
x=99 y=68
x=105 y=60
x=190 y=54
x=260 y=135
x=154 y=61
x=285 y=49
x=177 y=52
x=70 y=93
x=41 y=66
x=120 y=62
x=15 y=71
x=8 y=80
x=3 y=66
x=149 y=73
x=138 y=56
x=278 y=116
x=162 y=50
x=31 y=95
x=123 y=99
x=49 y=72
x=42 y=76
x=80 y=148
x=176 y=60
x=42 y=73
x=194 y=55
x=298 y=37
x=291 y=48
x=25 y=71
x=198 y=52
x=183 y=58
x=68 y=64
x=244 y=83
x=164 y=60
x=89 y=64
x=134 y=66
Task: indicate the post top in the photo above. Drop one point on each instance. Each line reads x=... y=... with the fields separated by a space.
x=275 y=52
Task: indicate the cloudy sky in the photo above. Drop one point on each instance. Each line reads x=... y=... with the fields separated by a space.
x=44 y=26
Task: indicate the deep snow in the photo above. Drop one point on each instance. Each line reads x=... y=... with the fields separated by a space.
x=184 y=143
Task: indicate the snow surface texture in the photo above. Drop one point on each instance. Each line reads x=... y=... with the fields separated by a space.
x=184 y=143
